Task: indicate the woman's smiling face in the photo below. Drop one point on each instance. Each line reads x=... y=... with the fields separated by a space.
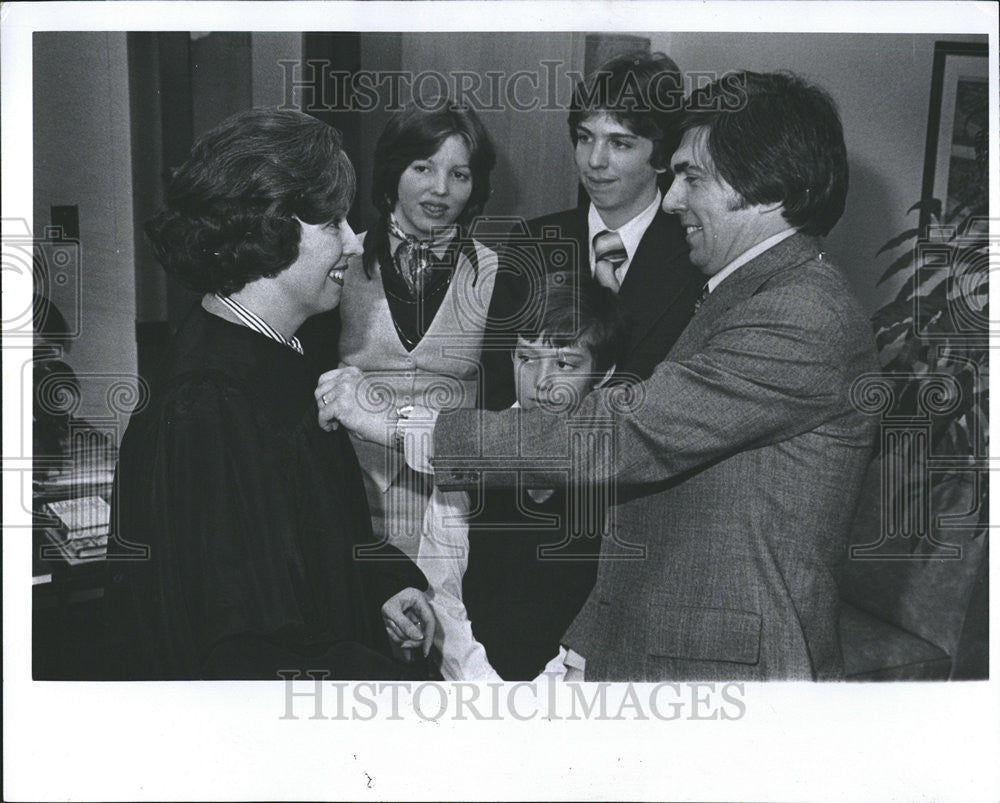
x=433 y=192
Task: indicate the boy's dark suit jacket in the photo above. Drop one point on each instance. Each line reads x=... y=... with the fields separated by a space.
x=657 y=296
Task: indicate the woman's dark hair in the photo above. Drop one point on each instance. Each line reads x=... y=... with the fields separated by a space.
x=231 y=208
x=775 y=138
x=413 y=134
x=642 y=91
x=579 y=311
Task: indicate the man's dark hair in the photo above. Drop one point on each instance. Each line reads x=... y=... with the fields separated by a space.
x=642 y=91
x=776 y=138
x=231 y=207
x=579 y=311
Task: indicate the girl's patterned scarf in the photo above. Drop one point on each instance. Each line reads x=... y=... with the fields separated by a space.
x=413 y=258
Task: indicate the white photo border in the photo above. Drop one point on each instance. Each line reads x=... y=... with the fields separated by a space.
x=79 y=741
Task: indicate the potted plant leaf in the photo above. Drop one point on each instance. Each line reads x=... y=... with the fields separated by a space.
x=918 y=563
x=934 y=332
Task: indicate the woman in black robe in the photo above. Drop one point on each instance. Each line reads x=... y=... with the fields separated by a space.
x=236 y=521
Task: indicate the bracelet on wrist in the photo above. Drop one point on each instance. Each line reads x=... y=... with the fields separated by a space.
x=402 y=414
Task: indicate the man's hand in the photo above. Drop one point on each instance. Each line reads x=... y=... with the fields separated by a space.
x=338 y=399
x=409 y=620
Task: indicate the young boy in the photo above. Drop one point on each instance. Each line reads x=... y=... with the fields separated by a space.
x=508 y=575
x=508 y=579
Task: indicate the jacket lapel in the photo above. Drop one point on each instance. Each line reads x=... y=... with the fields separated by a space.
x=658 y=275
x=575 y=228
x=741 y=285
x=748 y=279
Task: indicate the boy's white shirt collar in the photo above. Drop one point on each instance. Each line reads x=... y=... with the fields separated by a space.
x=630 y=232
x=747 y=255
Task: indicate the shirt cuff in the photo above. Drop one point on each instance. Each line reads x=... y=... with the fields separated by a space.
x=567 y=665
x=417 y=430
x=576 y=665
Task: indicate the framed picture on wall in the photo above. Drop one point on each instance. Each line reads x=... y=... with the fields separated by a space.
x=955 y=162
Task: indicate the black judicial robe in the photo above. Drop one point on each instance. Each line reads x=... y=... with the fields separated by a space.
x=250 y=514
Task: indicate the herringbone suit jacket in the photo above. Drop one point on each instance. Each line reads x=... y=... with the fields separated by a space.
x=733 y=474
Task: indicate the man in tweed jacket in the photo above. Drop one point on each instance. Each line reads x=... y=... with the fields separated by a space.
x=734 y=471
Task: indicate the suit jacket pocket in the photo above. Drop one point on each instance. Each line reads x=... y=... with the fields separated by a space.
x=705 y=634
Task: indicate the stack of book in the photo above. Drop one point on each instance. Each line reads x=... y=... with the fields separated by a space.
x=79 y=527
x=84 y=473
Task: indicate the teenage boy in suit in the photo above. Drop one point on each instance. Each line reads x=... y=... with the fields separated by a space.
x=623 y=124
